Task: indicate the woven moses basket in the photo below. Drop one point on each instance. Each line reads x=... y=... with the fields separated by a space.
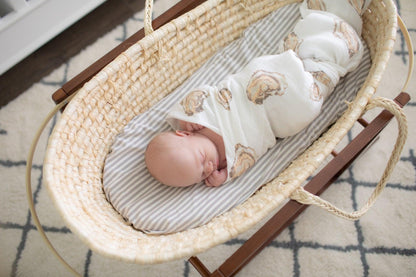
x=147 y=72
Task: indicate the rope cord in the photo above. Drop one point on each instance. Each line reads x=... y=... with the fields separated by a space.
x=409 y=45
x=148 y=28
x=29 y=162
x=308 y=198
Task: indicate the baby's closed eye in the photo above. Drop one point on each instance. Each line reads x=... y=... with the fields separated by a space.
x=203 y=159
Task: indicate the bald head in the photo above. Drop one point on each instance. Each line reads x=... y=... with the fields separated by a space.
x=164 y=159
x=181 y=158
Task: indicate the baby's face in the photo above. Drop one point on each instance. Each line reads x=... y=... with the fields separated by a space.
x=191 y=158
x=199 y=158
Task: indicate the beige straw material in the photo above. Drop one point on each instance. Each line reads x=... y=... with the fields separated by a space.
x=139 y=78
x=308 y=198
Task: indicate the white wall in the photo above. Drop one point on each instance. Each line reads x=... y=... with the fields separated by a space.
x=25 y=25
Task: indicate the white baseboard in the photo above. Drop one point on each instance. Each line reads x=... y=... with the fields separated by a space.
x=25 y=25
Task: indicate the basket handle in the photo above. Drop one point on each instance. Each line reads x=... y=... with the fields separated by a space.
x=29 y=194
x=409 y=45
x=148 y=28
x=305 y=197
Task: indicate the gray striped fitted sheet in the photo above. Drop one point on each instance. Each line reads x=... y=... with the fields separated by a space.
x=154 y=208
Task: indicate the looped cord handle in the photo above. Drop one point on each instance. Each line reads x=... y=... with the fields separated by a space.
x=409 y=45
x=305 y=197
x=29 y=196
x=148 y=28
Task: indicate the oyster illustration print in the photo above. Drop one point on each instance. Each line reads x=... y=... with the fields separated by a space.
x=316 y=5
x=245 y=157
x=263 y=84
x=224 y=97
x=323 y=78
x=292 y=42
x=193 y=102
x=346 y=33
x=315 y=92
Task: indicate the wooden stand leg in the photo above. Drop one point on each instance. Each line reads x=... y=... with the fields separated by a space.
x=287 y=214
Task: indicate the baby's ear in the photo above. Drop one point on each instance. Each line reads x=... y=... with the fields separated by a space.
x=182 y=133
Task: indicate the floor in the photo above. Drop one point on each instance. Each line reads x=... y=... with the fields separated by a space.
x=60 y=49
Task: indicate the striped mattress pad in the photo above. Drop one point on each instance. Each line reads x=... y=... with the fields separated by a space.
x=155 y=208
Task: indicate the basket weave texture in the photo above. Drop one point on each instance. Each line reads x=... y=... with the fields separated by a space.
x=136 y=80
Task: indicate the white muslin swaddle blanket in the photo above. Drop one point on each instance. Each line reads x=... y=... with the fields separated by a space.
x=276 y=96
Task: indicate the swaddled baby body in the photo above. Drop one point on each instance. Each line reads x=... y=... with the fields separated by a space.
x=222 y=129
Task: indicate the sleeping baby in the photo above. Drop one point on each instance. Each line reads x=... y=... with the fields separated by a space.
x=221 y=130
